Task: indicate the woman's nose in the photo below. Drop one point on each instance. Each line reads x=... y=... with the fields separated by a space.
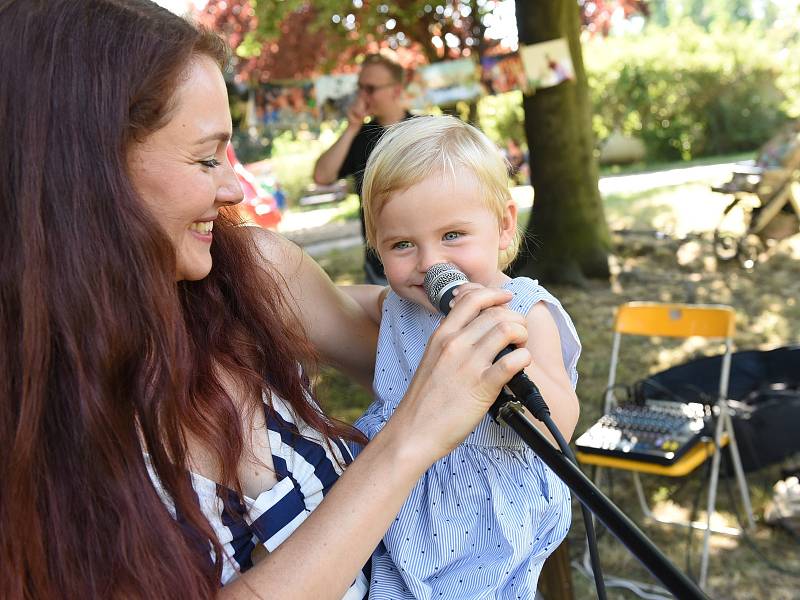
x=229 y=190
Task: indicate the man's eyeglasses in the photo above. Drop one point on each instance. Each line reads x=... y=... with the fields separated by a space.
x=370 y=89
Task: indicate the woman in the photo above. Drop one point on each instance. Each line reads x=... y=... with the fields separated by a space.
x=158 y=438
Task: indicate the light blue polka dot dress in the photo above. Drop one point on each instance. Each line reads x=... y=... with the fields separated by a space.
x=481 y=521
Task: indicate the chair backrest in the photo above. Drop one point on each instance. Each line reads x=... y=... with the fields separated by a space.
x=713 y=321
x=675 y=320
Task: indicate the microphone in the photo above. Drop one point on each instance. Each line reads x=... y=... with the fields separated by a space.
x=441 y=280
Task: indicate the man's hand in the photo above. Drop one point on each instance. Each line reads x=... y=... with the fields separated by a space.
x=326 y=169
x=356 y=112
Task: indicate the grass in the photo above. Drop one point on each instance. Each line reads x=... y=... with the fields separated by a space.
x=642 y=167
x=293 y=171
x=667 y=268
x=349 y=208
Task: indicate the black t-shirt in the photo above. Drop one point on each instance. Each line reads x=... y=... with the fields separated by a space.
x=356 y=160
x=354 y=164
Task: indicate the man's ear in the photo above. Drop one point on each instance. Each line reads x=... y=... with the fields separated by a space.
x=508 y=225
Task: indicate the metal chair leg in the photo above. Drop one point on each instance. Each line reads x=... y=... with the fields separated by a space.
x=712 y=498
x=737 y=467
x=637 y=483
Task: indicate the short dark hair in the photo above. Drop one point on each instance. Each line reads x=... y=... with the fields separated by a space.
x=397 y=72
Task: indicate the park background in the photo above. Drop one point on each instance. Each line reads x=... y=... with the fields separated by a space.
x=667 y=96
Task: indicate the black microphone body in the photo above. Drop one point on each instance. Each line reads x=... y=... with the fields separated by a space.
x=441 y=280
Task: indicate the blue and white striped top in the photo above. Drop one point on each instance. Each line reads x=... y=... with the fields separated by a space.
x=306 y=469
x=481 y=521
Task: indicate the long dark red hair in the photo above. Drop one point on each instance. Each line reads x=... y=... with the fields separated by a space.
x=102 y=356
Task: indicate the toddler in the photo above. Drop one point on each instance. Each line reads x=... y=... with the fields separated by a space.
x=481 y=521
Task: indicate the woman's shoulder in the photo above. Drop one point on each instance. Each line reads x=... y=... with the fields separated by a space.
x=278 y=251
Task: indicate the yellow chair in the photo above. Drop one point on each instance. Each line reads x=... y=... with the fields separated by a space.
x=681 y=321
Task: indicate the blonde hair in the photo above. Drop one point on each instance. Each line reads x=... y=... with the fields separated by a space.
x=417 y=148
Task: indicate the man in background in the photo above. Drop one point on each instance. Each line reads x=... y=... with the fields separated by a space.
x=380 y=96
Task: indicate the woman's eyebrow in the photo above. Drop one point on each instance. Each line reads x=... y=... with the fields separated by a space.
x=222 y=136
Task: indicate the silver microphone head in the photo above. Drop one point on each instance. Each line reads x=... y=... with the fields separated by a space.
x=439 y=279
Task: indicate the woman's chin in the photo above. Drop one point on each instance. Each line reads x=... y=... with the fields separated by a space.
x=194 y=270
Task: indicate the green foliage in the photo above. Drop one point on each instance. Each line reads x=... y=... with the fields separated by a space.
x=789 y=78
x=250 y=46
x=292 y=162
x=291 y=156
x=502 y=118
x=357 y=23
x=714 y=13
x=687 y=92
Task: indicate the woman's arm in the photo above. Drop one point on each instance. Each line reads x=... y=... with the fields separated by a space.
x=339 y=328
x=452 y=390
x=369 y=297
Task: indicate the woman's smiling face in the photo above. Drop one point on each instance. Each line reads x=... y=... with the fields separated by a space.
x=181 y=171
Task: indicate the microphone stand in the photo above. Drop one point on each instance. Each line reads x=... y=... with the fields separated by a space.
x=510 y=413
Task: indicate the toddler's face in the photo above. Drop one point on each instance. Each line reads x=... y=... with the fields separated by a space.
x=441 y=219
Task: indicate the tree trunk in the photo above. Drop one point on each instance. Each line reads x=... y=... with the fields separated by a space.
x=567 y=236
x=555 y=581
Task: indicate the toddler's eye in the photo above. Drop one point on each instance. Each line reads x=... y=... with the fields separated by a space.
x=451 y=235
x=210 y=163
x=401 y=245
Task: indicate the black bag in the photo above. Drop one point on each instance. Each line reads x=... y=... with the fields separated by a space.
x=764 y=398
x=766 y=427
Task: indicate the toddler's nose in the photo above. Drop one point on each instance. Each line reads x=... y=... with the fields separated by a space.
x=428 y=258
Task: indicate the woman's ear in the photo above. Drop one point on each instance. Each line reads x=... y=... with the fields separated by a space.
x=508 y=225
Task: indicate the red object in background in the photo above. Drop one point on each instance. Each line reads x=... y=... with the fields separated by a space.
x=258 y=207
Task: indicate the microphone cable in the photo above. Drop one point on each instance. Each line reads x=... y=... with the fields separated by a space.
x=542 y=413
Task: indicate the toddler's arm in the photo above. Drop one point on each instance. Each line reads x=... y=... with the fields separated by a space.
x=546 y=368
x=548 y=372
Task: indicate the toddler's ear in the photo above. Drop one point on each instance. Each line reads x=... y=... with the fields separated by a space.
x=508 y=225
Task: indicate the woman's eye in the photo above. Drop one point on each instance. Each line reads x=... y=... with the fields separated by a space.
x=210 y=163
x=451 y=235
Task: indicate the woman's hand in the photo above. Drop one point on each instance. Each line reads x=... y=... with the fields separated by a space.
x=453 y=389
x=457 y=381
x=546 y=367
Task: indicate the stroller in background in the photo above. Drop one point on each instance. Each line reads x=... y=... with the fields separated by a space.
x=768 y=192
